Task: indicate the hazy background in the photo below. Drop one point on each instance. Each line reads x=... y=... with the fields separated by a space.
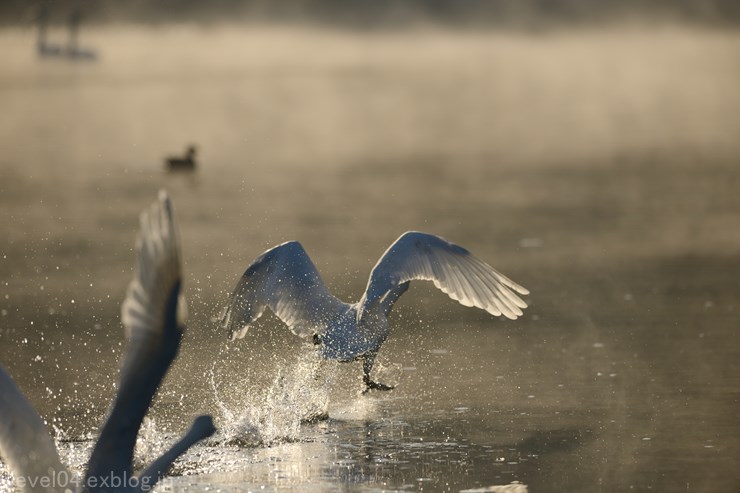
x=589 y=150
x=382 y=13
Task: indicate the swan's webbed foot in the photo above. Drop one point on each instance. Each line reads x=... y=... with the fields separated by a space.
x=372 y=385
x=367 y=366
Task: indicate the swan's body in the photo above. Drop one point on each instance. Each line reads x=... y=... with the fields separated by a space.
x=149 y=314
x=285 y=279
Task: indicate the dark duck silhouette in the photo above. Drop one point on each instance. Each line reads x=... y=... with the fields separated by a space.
x=185 y=163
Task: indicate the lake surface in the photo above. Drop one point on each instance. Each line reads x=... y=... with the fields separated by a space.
x=600 y=169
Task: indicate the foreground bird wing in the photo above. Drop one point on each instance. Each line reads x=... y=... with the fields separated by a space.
x=284 y=279
x=25 y=444
x=156 y=274
x=452 y=268
x=150 y=316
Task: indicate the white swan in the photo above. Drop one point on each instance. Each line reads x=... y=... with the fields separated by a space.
x=153 y=330
x=285 y=279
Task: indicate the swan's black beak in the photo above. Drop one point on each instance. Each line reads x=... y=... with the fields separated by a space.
x=316 y=340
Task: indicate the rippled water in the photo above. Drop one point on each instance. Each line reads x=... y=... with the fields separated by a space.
x=596 y=168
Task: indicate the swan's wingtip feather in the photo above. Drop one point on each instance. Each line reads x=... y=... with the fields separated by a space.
x=493 y=310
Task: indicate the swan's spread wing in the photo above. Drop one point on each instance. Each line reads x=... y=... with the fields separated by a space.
x=284 y=279
x=25 y=445
x=149 y=314
x=452 y=268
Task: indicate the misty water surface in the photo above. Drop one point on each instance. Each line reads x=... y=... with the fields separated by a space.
x=597 y=168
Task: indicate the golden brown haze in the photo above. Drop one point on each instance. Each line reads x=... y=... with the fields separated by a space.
x=598 y=167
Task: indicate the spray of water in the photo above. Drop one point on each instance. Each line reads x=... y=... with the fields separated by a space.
x=298 y=394
x=75 y=450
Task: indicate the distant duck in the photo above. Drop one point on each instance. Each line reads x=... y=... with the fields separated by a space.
x=186 y=163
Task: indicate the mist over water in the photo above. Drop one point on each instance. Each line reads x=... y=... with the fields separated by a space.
x=598 y=168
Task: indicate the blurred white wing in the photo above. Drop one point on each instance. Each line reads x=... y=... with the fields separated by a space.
x=284 y=279
x=452 y=268
x=149 y=314
x=25 y=444
x=156 y=272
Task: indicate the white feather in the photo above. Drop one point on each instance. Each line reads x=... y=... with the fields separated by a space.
x=25 y=444
x=157 y=270
x=284 y=279
x=454 y=270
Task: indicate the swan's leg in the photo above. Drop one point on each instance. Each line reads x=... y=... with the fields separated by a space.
x=368 y=360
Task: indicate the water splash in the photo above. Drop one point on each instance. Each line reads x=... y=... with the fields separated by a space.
x=298 y=394
x=74 y=451
x=6 y=478
x=150 y=443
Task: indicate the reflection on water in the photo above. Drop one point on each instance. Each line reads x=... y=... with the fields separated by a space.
x=381 y=452
x=597 y=168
